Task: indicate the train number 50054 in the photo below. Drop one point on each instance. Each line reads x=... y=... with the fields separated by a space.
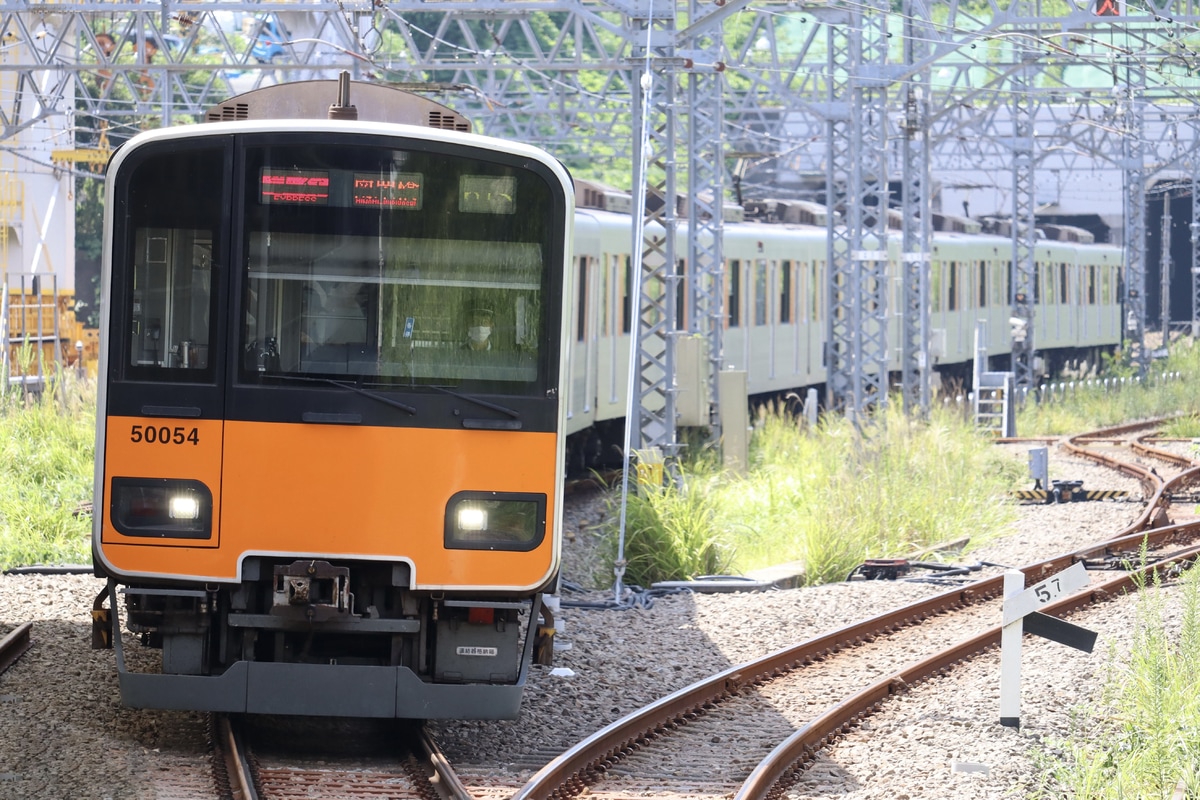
x=163 y=434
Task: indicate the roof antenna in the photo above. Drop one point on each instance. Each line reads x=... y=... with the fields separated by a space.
x=342 y=108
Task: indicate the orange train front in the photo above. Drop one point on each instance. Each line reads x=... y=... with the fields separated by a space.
x=329 y=445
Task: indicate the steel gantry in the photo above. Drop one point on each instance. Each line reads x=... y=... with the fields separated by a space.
x=1131 y=115
x=857 y=185
x=1194 y=231
x=705 y=268
x=1024 y=232
x=652 y=362
x=566 y=74
x=916 y=210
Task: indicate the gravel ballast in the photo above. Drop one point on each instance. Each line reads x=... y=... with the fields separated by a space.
x=64 y=734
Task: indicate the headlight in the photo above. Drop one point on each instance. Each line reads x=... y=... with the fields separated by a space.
x=161 y=507
x=184 y=506
x=471 y=517
x=495 y=521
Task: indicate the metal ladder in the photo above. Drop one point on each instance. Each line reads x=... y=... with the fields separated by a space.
x=29 y=319
x=995 y=410
x=993 y=399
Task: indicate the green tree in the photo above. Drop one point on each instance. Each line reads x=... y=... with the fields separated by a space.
x=89 y=240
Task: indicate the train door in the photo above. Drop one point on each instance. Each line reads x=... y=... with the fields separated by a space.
x=161 y=401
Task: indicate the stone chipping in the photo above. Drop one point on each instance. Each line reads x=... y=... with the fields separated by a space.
x=64 y=734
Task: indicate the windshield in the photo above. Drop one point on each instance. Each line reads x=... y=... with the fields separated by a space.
x=394 y=267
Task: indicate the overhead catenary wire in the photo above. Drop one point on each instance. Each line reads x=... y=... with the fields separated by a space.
x=524 y=64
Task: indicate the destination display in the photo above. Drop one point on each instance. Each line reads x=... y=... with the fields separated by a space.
x=401 y=191
x=294 y=187
x=391 y=191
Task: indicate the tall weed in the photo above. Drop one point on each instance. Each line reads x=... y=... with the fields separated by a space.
x=829 y=498
x=1166 y=390
x=46 y=456
x=1144 y=738
x=669 y=535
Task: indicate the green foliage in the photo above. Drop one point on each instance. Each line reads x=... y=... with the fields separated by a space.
x=839 y=495
x=45 y=476
x=89 y=235
x=1166 y=390
x=670 y=535
x=829 y=498
x=1143 y=738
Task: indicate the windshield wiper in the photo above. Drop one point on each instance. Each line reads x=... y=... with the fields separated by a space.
x=387 y=401
x=478 y=401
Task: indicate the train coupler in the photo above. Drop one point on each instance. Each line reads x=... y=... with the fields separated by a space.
x=102 y=625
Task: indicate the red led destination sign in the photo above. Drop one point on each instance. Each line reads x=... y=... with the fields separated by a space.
x=294 y=187
x=403 y=190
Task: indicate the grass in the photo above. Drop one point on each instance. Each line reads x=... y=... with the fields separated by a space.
x=670 y=534
x=830 y=498
x=835 y=496
x=1166 y=390
x=45 y=475
x=1142 y=738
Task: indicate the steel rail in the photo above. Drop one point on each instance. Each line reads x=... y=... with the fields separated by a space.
x=1156 y=490
x=778 y=770
x=445 y=780
x=1140 y=446
x=14 y=645
x=235 y=760
x=237 y=770
x=568 y=774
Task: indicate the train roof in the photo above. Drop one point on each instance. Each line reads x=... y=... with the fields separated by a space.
x=608 y=203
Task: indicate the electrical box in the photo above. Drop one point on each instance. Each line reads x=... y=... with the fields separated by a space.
x=691 y=382
x=1039 y=467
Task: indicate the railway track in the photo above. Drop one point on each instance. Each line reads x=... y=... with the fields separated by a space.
x=776 y=714
x=14 y=644
x=786 y=707
x=252 y=765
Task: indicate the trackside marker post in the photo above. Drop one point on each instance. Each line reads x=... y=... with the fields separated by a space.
x=1021 y=613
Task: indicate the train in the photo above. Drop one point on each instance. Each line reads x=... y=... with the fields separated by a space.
x=349 y=351
x=330 y=420
x=775 y=304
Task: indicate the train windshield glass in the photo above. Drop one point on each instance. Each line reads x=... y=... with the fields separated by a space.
x=166 y=244
x=395 y=267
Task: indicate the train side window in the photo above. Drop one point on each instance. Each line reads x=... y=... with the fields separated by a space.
x=815 y=287
x=952 y=287
x=604 y=292
x=581 y=307
x=735 y=292
x=785 y=292
x=760 y=292
x=1063 y=294
x=681 y=295
x=1039 y=274
x=1091 y=284
x=983 y=283
x=627 y=297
